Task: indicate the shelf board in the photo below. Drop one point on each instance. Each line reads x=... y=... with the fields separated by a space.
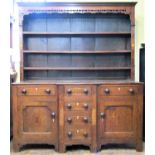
x=76 y=68
x=74 y=80
x=77 y=52
x=75 y=33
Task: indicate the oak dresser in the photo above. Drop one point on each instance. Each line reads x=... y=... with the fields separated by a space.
x=77 y=74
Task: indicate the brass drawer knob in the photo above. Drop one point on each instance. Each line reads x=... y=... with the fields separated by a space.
x=53 y=115
x=85 y=105
x=69 y=91
x=69 y=120
x=102 y=115
x=48 y=91
x=69 y=134
x=85 y=91
x=85 y=134
x=107 y=91
x=69 y=106
x=85 y=119
x=131 y=91
x=24 y=91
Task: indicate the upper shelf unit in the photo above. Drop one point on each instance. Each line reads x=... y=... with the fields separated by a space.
x=82 y=41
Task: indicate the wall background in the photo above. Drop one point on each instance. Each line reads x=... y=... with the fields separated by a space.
x=139 y=30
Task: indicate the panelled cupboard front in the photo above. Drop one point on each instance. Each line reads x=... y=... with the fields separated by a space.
x=77 y=76
x=84 y=114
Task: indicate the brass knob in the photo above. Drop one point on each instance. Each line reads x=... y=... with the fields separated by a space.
x=69 y=106
x=53 y=114
x=85 y=91
x=69 y=134
x=48 y=91
x=69 y=120
x=131 y=91
x=85 y=105
x=102 y=115
x=69 y=91
x=85 y=119
x=24 y=91
x=85 y=134
x=107 y=91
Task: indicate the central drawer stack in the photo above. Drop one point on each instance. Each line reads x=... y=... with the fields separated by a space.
x=78 y=112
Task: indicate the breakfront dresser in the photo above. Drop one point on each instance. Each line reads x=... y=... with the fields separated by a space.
x=77 y=73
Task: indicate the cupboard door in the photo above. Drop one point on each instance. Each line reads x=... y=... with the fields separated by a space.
x=117 y=117
x=38 y=120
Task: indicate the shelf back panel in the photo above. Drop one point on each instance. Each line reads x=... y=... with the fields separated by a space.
x=78 y=43
x=77 y=75
x=77 y=22
x=77 y=60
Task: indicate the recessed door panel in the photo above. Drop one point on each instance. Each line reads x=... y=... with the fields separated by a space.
x=38 y=121
x=116 y=118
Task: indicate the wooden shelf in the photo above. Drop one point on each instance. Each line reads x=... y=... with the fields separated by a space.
x=77 y=68
x=76 y=33
x=58 y=48
x=77 y=52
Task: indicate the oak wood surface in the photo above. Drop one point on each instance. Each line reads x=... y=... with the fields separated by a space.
x=77 y=76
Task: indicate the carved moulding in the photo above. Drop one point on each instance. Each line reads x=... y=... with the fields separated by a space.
x=24 y=11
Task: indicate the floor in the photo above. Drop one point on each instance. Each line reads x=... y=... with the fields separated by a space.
x=80 y=150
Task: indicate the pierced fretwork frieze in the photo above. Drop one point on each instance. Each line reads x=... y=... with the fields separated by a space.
x=27 y=11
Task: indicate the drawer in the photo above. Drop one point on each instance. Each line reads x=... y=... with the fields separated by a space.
x=78 y=134
x=74 y=90
x=108 y=90
x=37 y=90
x=78 y=105
x=77 y=120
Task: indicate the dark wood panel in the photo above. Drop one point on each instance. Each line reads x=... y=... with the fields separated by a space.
x=78 y=43
x=75 y=68
x=35 y=43
x=77 y=60
x=58 y=23
x=34 y=23
x=82 y=43
x=80 y=23
x=112 y=43
x=33 y=60
x=77 y=75
x=65 y=60
x=34 y=74
x=29 y=33
x=112 y=22
x=108 y=60
x=58 y=43
x=77 y=23
x=78 y=52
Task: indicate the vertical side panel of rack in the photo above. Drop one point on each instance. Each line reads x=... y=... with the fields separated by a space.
x=21 y=42
x=132 y=18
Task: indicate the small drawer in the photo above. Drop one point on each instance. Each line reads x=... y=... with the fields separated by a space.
x=77 y=105
x=117 y=90
x=78 y=134
x=37 y=90
x=77 y=120
x=84 y=90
